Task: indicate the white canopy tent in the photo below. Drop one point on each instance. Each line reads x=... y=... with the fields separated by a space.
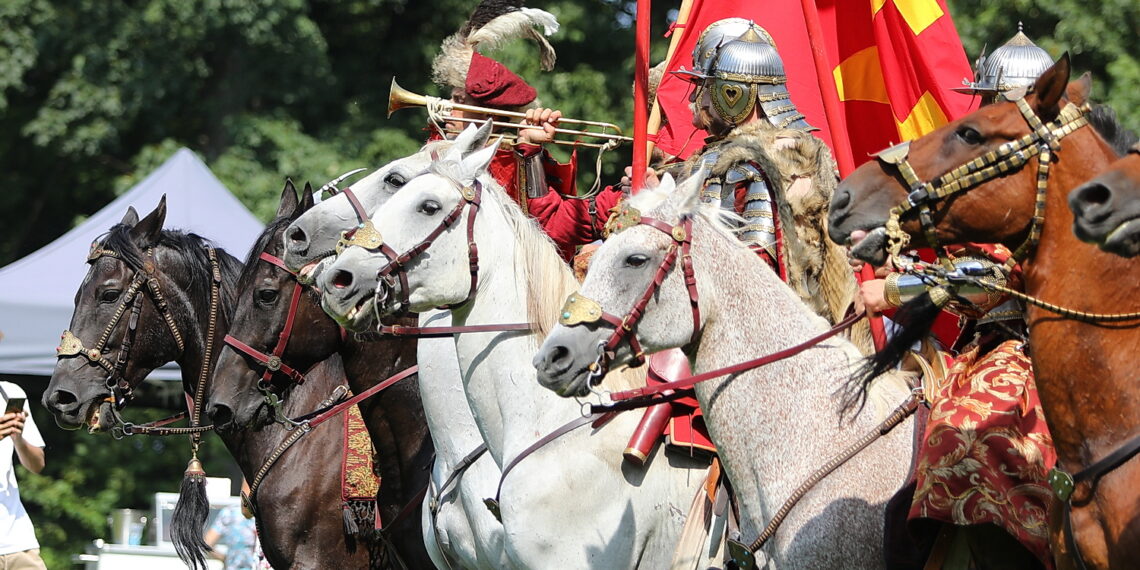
x=37 y=292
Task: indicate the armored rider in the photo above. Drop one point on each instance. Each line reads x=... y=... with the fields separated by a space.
x=981 y=489
x=542 y=186
x=762 y=162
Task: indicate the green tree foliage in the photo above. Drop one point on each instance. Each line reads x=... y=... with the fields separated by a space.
x=1101 y=39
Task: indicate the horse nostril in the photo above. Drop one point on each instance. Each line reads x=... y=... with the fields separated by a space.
x=1094 y=194
x=220 y=414
x=342 y=279
x=62 y=400
x=841 y=201
x=298 y=239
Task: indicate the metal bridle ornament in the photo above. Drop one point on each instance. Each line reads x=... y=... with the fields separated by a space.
x=1043 y=139
x=71 y=346
x=580 y=309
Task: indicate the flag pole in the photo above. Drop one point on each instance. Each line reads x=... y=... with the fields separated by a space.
x=678 y=31
x=640 y=96
x=839 y=137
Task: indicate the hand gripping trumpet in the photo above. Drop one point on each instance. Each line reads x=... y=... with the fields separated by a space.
x=440 y=109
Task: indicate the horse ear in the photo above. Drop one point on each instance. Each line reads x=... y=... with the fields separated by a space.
x=148 y=229
x=472 y=139
x=306 y=198
x=476 y=163
x=1078 y=91
x=687 y=194
x=288 y=199
x=131 y=217
x=1050 y=87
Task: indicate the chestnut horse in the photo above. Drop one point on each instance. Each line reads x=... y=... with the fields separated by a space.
x=1085 y=371
x=272 y=307
x=297 y=529
x=1106 y=209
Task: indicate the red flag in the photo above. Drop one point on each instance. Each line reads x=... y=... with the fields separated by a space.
x=891 y=63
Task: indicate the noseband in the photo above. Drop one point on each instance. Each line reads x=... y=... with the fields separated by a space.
x=368 y=237
x=580 y=309
x=70 y=346
x=1012 y=156
x=272 y=361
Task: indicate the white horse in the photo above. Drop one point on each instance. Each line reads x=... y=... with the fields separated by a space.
x=773 y=426
x=573 y=503
x=463 y=533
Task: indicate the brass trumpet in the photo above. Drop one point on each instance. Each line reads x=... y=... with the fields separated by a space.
x=400 y=98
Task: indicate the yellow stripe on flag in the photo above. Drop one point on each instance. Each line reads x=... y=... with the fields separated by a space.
x=919 y=14
x=924 y=117
x=860 y=78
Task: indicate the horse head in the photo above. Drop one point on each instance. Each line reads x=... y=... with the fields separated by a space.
x=1106 y=209
x=416 y=251
x=142 y=304
x=973 y=179
x=313 y=236
x=637 y=298
x=278 y=331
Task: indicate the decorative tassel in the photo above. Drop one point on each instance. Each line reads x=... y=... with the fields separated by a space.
x=350 y=526
x=188 y=521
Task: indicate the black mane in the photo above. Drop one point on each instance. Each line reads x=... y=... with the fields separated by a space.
x=1103 y=119
x=191 y=254
x=273 y=229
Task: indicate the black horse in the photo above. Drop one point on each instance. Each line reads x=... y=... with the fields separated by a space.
x=300 y=519
x=267 y=293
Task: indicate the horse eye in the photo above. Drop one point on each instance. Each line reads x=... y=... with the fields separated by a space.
x=110 y=296
x=636 y=260
x=394 y=180
x=970 y=136
x=430 y=207
x=267 y=295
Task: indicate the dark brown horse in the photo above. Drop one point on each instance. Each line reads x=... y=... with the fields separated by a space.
x=1106 y=209
x=394 y=418
x=301 y=522
x=1085 y=371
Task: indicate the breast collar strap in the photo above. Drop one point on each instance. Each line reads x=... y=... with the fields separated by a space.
x=1043 y=140
x=580 y=309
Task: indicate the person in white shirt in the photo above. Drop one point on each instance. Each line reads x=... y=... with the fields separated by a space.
x=19 y=437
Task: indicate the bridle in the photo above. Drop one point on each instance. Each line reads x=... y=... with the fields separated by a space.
x=272 y=361
x=1010 y=157
x=1042 y=141
x=580 y=309
x=145 y=280
x=369 y=238
x=583 y=310
x=121 y=389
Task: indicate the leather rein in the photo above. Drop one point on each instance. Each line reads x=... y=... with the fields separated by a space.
x=146 y=280
x=580 y=309
x=1043 y=140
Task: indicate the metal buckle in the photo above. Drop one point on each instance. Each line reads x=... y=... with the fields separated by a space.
x=273 y=363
